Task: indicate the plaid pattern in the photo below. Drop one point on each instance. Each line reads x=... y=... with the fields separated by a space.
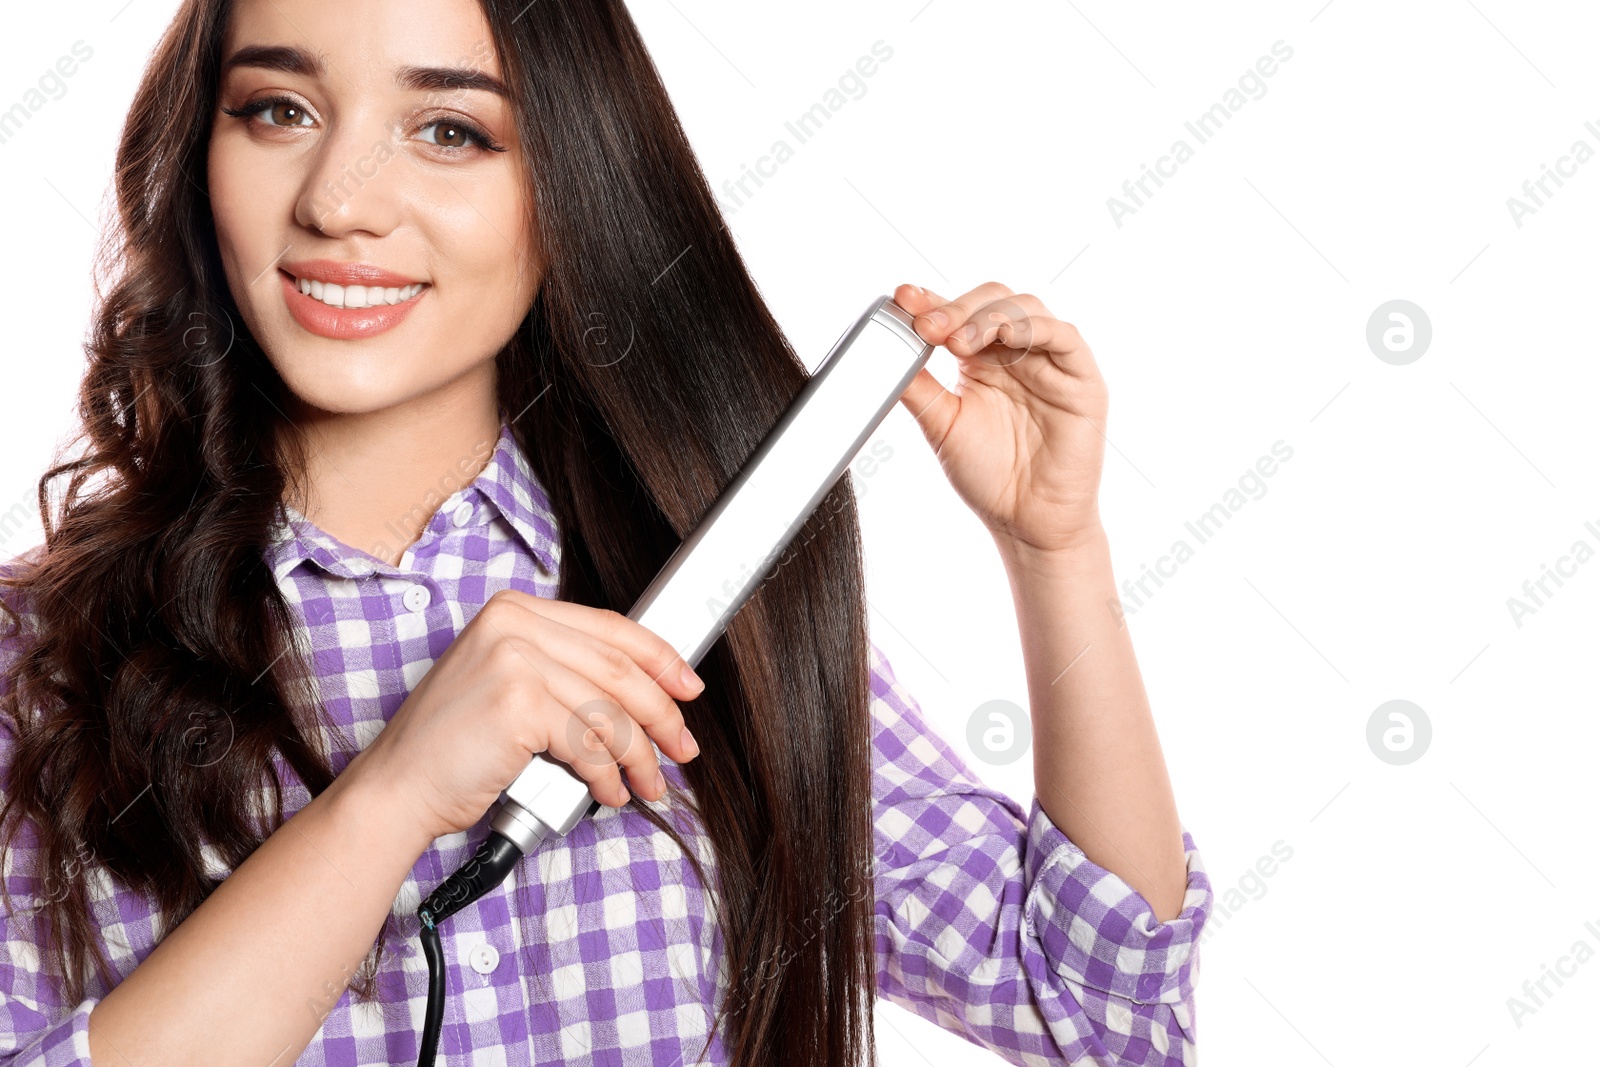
x=989 y=921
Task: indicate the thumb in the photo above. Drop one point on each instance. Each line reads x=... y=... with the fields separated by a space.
x=931 y=404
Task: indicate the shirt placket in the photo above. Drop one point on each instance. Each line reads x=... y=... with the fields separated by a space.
x=481 y=944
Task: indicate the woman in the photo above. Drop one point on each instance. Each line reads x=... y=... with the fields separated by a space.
x=419 y=363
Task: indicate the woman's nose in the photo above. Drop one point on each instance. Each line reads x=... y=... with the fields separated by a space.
x=350 y=180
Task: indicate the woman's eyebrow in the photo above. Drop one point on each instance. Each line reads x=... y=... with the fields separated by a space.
x=443 y=79
x=292 y=60
x=286 y=58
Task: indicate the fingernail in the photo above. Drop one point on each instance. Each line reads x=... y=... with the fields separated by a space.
x=939 y=319
x=661 y=782
x=691 y=680
x=687 y=740
x=968 y=333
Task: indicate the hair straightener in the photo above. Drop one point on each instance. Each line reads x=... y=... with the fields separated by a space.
x=703 y=585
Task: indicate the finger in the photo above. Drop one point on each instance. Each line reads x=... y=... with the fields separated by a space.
x=915 y=299
x=984 y=322
x=1021 y=325
x=603 y=731
x=591 y=733
x=614 y=673
x=931 y=404
x=936 y=324
x=652 y=652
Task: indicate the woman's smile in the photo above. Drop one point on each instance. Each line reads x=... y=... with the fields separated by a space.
x=346 y=313
x=345 y=301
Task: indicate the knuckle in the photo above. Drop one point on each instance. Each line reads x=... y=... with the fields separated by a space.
x=617 y=663
x=501 y=600
x=506 y=658
x=520 y=681
x=496 y=609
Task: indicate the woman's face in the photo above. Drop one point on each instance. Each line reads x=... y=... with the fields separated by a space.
x=360 y=172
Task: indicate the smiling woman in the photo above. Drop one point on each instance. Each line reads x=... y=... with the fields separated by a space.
x=321 y=584
x=405 y=163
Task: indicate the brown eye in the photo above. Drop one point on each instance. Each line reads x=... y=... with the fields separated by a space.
x=271 y=111
x=286 y=114
x=456 y=135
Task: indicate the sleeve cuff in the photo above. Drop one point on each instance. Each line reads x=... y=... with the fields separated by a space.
x=1100 y=932
x=64 y=1044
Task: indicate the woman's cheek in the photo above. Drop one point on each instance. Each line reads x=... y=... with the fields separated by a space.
x=244 y=210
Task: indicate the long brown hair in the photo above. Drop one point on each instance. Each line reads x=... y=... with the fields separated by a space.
x=159 y=628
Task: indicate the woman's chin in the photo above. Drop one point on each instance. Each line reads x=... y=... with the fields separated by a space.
x=328 y=391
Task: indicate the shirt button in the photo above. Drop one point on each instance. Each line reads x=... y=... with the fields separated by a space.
x=417 y=598
x=484 y=958
x=463 y=514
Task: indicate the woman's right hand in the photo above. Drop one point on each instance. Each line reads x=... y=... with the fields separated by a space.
x=527 y=675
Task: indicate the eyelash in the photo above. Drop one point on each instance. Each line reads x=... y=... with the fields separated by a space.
x=476 y=135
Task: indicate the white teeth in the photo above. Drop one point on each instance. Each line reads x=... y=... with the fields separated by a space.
x=356 y=296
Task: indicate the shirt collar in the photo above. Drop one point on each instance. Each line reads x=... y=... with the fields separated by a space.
x=507 y=483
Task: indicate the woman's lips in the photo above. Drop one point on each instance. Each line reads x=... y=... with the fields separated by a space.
x=343 y=324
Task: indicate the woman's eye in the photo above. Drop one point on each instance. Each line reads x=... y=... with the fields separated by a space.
x=282 y=112
x=285 y=113
x=451 y=134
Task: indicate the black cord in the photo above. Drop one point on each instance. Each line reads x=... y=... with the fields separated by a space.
x=487 y=868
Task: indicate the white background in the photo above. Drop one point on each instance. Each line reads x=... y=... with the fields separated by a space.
x=1228 y=313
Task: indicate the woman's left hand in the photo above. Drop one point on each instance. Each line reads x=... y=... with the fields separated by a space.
x=1021 y=435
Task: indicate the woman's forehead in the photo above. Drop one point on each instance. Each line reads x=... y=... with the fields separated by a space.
x=355 y=42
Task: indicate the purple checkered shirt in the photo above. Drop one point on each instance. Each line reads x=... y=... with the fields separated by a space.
x=602 y=947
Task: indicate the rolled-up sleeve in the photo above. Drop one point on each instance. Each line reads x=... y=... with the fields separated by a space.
x=994 y=925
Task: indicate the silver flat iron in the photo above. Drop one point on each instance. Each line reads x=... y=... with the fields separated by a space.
x=722 y=562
